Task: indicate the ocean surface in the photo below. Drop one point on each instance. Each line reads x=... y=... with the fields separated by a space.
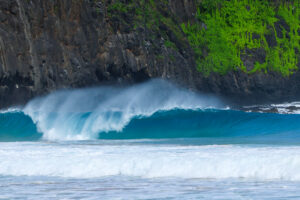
x=148 y=141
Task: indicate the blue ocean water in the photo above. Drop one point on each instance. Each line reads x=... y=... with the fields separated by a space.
x=149 y=141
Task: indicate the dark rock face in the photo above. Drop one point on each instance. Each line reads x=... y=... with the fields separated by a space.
x=259 y=88
x=48 y=45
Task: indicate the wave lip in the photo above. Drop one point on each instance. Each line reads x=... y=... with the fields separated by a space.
x=156 y=109
x=83 y=114
x=209 y=125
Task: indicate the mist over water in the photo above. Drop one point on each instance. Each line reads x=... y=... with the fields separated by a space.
x=156 y=109
x=83 y=114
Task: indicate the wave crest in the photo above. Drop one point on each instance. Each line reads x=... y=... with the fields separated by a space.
x=83 y=114
x=156 y=109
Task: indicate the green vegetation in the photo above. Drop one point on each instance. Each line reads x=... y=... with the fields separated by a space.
x=224 y=34
x=224 y=30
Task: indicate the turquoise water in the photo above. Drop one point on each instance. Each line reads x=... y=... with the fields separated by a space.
x=149 y=141
x=212 y=126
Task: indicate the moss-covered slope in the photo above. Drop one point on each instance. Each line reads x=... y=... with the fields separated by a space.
x=227 y=34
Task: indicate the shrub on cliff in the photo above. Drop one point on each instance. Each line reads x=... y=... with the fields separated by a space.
x=227 y=30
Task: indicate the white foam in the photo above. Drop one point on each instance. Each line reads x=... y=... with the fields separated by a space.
x=58 y=115
x=11 y=110
x=283 y=108
x=92 y=161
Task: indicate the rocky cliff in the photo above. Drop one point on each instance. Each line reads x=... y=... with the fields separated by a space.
x=49 y=45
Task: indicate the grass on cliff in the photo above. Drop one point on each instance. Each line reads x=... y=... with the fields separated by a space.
x=226 y=29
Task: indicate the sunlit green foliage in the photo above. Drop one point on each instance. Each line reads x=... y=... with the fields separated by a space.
x=225 y=29
x=284 y=57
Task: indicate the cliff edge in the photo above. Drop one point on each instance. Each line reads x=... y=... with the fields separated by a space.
x=50 y=45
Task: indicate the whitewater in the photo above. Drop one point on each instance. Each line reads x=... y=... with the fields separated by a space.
x=153 y=140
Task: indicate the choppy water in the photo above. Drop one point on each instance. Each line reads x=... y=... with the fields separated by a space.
x=150 y=141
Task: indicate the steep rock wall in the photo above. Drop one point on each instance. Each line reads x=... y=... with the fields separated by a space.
x=49 y=45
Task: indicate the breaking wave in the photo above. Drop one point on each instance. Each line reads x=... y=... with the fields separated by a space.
x=156 y=109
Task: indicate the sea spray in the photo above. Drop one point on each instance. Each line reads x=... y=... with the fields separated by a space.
x=154 y=110
x=83 y=114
